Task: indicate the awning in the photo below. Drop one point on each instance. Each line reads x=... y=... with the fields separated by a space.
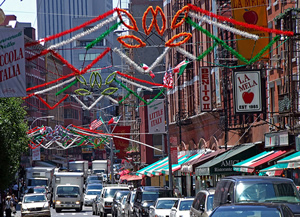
x=189 y=166
x=249 y=165
x=134 y=178
x=157 y=167
x=275 y=170
x=223 y=163
x=124 y=172
x=148 y=169
x=291 y=161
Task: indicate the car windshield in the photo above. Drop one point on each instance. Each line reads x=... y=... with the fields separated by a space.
x=39 y=190
x=37 y=182
x=266 y=192
x=185 y=205
x=93 y=193
x=119 y=195
x=210 y=201
x=110 y=192
x=68 y=190
x=98 y=187
x=132 y=197
x=34 y=198
x=165 y=204
x=256 y=211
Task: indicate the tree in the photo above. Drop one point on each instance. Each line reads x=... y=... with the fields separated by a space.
x=13 y=138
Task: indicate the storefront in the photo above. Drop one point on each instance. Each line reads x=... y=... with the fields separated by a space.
x=187 y=171
x=222 y=165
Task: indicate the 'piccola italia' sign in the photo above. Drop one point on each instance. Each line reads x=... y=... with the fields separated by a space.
x=247 y=91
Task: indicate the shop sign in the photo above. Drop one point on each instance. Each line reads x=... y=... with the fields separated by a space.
x=276 y=139
x=205 y=92
x=36 y=153
x=247 y=91
x=225 y=166
x=202 y=171
x=294 y=164
x=12 y=63
x=156 y=117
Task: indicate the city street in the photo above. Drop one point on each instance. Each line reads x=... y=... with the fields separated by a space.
x=87 y=211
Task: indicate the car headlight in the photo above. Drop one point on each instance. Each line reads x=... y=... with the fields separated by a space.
x=58 y=202
x=24 y=209
x=77 y=202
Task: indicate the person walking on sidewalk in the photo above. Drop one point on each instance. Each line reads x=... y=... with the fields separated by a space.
x=8 y=206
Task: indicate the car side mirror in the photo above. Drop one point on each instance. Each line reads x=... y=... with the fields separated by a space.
x=20 y=203
x=151 y=207
x=173 y=209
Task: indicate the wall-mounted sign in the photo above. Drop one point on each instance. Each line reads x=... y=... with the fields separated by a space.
x=277 y=139
x=156 y=116
x=205 y=89
x=36 y=153
x=12 y=63
x=247 y=91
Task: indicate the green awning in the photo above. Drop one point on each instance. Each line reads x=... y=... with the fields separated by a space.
x=223 y=164
x=274 y=170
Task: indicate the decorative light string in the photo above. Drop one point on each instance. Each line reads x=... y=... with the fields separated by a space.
x=238 y=23
x=225 y=27
x=80 y=35
x=170 y=42
x=54 y=106
x=135 y=84
x=84 y=106
x=141 y=43
x=158 y=60
x=100 y=17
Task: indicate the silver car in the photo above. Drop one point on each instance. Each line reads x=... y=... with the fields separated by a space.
x=203 y=203
x=121 y=207
x=35 y=205
x=129 y=204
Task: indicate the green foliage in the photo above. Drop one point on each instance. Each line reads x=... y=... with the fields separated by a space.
x=13 y=138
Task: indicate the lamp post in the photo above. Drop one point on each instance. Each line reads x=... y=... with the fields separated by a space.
x=39 y=118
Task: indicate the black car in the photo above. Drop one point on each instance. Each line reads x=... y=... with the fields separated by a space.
x=116 y=200
x=257 y=189
x=253 y=209
x=145 y=197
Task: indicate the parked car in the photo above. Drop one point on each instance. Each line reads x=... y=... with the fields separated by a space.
x=116 y=200
x=202 y=205
x=181 y=207
x=106 y=198
x=162 y=207
x=89 y=197
x=93 y=179
x=146 y=196
x=261 y=189
x=129 y=204
x=253 y=209
x=35 y=205
x=95 y=205
x=121 y=207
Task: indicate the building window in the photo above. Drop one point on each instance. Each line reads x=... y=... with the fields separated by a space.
x=157 y=143
x=86 y=42
x=71 y=114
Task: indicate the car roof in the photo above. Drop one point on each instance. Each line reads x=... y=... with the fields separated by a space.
x=33 y=194
x=261 y=178
x=167 y=198
x=95 y=184
x=230 y=206
x=188 y=198
x=208 y=191
x=152 y=188
x=116 y=187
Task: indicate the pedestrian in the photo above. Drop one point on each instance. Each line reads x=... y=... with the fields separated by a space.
x=14 y=201
x=208 y=185
x=15 y=189
x=8 y=206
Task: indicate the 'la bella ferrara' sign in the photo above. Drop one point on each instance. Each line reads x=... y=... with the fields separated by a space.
x=247 y=91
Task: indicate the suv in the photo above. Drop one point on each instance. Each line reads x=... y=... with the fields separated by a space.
x=106 y=198
x=116 y=200
x=145 y=197
x=203 y=203
x=253 y=189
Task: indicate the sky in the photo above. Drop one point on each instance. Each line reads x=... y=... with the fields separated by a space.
x=25 y=10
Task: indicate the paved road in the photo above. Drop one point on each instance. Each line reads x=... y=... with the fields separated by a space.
x=86 y=212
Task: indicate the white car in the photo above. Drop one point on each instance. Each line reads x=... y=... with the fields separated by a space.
x=90 y=196
x=162 y=207
x=35 y=205
x=182 y=207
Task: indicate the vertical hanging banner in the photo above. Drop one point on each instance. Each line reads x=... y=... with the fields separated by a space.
x=121 y=144
x=36 y=153
x=205 y=89
x=156 y=116
x=218 y=87
x=12 y=63
x=247 y=91
x=251 y=12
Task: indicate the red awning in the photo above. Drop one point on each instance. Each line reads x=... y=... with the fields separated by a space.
x=130 y=177
x=124 y=172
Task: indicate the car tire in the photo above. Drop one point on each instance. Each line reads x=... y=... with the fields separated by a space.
x=78 y=209
x=58 y=210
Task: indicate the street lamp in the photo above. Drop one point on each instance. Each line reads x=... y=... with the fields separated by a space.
x=39 y=118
